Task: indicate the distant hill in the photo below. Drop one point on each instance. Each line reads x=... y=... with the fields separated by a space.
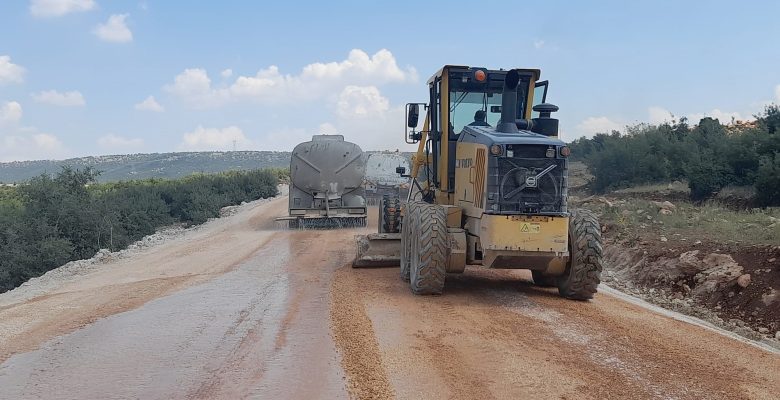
x=141 y=166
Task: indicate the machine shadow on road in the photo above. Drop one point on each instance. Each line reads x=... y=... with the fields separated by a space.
x=477 y=280
x=471 y=285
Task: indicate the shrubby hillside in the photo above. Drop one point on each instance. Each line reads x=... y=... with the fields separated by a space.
x=142 y=166
x=708 y=156
x=51 y=220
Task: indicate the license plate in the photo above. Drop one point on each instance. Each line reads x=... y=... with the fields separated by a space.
x=530 y=227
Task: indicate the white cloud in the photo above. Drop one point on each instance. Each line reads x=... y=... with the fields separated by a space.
x=149 y=104
x=367 y=118
x=10 y=113
x=114 y=30
x=593 y=125
x=264 y=85
x=204 y=139
x=381 y=65
x=658 y=115
x=360 y=113
x=270 y=86
x=10 y=72
x=226 y=73
x=19 y=143
x=58 y=8
x=327 y=129
x=193 y=86
x=53 y=97
x=33 y=145
x=361 y=101
x=538 y=44
x=46 y=142
x=116 y=142
x=777 y=94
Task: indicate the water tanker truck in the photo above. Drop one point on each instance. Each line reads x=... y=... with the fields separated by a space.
x=326 y=177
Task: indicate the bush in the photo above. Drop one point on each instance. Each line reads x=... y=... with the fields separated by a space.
x=52 y=220
x=709 y=156
x=768 y=181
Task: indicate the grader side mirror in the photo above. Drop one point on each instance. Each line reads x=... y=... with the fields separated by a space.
x=400 y=170
x=412 y=115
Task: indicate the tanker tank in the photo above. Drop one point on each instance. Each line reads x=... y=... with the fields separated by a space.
x=326 y=178
x=382 y=178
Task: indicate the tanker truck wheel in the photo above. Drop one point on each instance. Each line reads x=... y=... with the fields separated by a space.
x=581 y=279
x=390 y=214
x=544 y=280
x=430 y=241
x=408 y=215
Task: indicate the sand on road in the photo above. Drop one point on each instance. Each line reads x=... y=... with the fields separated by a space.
x=242 y=309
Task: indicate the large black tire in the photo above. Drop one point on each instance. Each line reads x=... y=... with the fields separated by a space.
x=390 y=215
x=429 y=249
x=544 y=280
x=581 y=279
x=409 y=213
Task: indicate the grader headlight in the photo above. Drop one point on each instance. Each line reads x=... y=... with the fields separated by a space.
x=496 y=150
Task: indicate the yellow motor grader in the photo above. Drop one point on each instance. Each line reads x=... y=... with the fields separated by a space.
x=488 y=187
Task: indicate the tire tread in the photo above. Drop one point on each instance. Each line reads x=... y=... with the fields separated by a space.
x=583 y=274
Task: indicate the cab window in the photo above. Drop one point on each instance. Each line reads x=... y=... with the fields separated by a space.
x=540 y=96
x=467 y=97
x=464 y=106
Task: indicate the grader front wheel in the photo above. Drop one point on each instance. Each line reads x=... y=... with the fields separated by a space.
x=429 y=248
x=581 y=279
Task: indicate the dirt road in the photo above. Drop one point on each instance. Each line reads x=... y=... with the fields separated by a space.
x=240 y=308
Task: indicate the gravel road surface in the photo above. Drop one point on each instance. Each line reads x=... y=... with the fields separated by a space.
x=240 y=308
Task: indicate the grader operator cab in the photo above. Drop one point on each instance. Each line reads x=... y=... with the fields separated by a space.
x=488 y=187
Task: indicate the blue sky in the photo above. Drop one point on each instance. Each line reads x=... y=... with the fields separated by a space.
x=76 y=76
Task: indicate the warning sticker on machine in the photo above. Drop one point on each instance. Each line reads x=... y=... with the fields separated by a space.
x=529 y=227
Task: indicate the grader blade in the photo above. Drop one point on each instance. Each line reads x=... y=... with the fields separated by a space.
x=378 y=250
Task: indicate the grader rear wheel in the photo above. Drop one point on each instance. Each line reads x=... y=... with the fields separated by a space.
x=581 y=279
x=390 y=214
x=429 y=249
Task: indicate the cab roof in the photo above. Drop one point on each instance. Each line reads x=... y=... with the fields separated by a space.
x=489 y=136
x=534 y=71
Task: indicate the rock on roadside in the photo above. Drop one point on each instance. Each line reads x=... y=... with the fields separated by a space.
x=720 y=273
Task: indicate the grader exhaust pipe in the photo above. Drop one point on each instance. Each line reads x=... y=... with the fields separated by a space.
x=507 y=122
